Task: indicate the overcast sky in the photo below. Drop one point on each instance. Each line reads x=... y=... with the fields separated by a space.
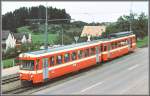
x=97 y=11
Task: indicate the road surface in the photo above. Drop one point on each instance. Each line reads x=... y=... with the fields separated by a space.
x=125 y=75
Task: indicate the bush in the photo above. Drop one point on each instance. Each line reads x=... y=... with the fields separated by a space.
x=10 y=53
x=66 y=40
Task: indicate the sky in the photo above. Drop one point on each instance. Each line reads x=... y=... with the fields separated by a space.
x=87 y=11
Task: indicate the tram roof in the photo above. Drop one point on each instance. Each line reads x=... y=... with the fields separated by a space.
x=66 y=47
x=62 y=47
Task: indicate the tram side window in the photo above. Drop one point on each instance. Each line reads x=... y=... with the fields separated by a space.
x=116 y=45
x=52 y=61
x=92 y=51
x=67 y=57
x=105 y=48
x=80 y=54
x=112 y=45
x=59 y=59
x=101 y=48
x=74 y=56
x=86 y=53
x=119 y=43
x=125 y=43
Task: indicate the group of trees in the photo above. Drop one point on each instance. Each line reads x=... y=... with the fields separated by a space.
x=70 y=31
x=19 y=17
x=139 y=25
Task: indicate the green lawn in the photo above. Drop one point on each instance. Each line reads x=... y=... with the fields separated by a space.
x=7 y=63
x=24 y=29
x=142 y=43
x=37 y=38
x=40 y=38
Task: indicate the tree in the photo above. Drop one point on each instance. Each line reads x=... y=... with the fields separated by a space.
x=17 y=18
x=66 y=40
x=139 y=25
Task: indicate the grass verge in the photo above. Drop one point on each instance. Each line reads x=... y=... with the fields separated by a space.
x=40 y=38
x=143 y=42
x=8 y=63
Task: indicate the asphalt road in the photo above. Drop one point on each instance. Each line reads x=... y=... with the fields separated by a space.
x=125 y=75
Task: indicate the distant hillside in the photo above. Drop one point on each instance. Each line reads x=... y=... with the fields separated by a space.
x=17 y=18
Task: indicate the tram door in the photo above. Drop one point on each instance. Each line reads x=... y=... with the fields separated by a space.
x=109 y=47
x=45 y=68
x=97 y=55
x=129 y=43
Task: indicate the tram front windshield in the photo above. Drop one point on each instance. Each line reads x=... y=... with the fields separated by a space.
x=27 y=65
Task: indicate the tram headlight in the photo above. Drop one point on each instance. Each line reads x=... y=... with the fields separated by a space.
x=31 y=76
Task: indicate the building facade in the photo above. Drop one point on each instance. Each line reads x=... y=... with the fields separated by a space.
x=93 y=31
x=12 y=40
x=8 y=40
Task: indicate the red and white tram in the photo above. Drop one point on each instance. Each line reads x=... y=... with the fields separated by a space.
x=42 y=65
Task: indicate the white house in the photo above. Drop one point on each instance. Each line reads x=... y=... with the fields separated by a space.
x=22 y=38
x=12 y=40
x=8 y=40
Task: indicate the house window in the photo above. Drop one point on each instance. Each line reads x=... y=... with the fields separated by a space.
x=3 y=46
x=67 y=57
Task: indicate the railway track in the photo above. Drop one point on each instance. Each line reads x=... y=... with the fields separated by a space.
x=10 y=78
x=50 y=83
x=53 y=82
x=18 y=90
